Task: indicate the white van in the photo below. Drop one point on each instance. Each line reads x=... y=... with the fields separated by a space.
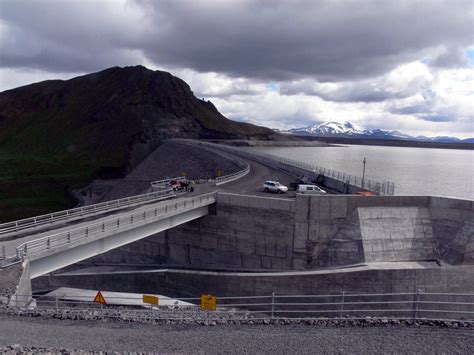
x=310 y=190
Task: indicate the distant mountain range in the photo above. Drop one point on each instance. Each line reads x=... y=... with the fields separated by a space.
x=350 y=130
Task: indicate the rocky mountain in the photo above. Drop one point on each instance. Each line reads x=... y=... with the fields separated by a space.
x=350 y=130
x=57 y=135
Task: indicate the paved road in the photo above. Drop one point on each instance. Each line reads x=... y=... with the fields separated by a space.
x=250 y=184
x=264 y=339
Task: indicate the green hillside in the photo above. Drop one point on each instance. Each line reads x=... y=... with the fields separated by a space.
x=56 y=135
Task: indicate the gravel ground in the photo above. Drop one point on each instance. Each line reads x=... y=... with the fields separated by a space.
x=53 y=335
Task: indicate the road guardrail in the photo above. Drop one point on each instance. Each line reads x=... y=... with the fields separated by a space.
x=121 y=223
x=84 y=211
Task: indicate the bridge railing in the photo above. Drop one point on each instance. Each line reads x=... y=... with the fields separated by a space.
x=120 y=223
x=81 y=212
x=412 y=306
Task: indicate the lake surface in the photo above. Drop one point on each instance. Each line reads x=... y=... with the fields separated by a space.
x=415 y=171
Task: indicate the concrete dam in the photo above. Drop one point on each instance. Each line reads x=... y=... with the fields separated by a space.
x=252 y=245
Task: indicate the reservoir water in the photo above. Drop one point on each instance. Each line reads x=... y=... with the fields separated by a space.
x=415 y=171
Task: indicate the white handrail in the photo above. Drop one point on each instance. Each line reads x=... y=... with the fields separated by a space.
x=124 y=222
x=84 y=211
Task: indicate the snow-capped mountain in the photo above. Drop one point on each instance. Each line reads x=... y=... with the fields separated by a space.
x=329 y=128
x=350 y=130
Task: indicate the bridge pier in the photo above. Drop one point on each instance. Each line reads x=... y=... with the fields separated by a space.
x=23 y=294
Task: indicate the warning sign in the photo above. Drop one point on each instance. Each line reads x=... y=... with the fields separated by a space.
x=99 y=298
x=150 y=299
x=208 y=302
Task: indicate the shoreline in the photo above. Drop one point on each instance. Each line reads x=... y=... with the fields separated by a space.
x=341 y=142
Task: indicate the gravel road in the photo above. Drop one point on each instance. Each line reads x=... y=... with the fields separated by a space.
x=263 y=339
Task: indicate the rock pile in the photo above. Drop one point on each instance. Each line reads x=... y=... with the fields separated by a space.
x=193 y=316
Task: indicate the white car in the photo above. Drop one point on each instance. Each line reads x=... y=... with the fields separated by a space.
x=274 y=186
x=310 y=190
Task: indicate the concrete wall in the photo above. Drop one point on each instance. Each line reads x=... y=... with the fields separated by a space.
x=456 y=279
x=311 y=232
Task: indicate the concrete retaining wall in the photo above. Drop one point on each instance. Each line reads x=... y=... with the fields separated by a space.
x=312 y=232
x=180 y=283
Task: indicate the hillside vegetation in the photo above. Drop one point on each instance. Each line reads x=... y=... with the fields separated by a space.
x=57 y=135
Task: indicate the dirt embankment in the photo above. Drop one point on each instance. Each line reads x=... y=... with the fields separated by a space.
x=169 y=160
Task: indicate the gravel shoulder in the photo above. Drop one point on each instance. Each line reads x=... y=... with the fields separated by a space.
x=266 y=339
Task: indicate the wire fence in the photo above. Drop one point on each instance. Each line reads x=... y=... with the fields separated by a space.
x=409 y=305
x=381 y=188
x=113 y=225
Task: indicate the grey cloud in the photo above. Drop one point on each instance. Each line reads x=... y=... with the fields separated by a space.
x=347 y=92
x=432 y=109
x=451 y=58
x=277 y=40
x=436 y=117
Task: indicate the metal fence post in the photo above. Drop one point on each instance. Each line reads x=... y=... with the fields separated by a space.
x=273 y=303
x=417 y=300
x=342 y=304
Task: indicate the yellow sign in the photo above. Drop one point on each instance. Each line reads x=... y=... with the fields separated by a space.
x=99 y=298
x=150 y=299
x=208 y=302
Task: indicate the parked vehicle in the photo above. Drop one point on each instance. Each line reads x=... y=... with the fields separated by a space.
x=310 y=190
x=274 y=186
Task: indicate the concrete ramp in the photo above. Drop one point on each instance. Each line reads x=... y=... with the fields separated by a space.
x=396 y=233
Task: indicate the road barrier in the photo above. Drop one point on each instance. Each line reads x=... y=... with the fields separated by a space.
x=221 y=180
x=343 y=306
x=85 y=211
x=116 y=224
x=381 y=188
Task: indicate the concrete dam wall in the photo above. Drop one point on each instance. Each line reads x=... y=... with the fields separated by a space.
x=318 y=244
x=255 y=233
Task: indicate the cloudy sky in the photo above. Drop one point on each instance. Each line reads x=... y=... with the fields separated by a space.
x=404 y=65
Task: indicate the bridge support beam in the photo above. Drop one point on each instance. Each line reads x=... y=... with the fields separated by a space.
x=74 y=252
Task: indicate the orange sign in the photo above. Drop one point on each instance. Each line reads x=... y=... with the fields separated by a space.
x=150 y=299
x=99 y=298
x=208 y=302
